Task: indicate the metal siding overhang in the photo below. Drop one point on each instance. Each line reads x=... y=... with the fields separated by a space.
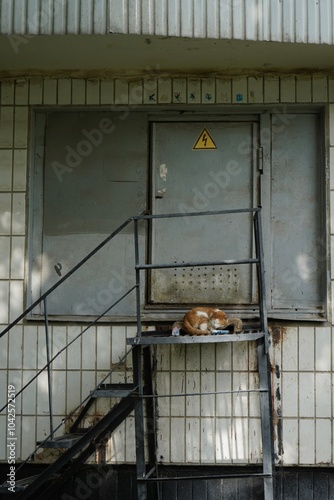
x=295 y=21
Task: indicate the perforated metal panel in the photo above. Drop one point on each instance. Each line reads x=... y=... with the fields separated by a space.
x=217 y=176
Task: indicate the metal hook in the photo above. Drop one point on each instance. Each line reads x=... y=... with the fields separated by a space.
x=58 y=267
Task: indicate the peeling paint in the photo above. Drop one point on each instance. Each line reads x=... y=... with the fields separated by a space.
x=280 y=437
x=163 y=171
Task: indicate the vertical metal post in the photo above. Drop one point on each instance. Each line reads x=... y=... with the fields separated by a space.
x=139 y=423
x=138 y=380
x=266 y=425
x=48 y=357
x=138 y=291
x=260 y=273
x=263 y=367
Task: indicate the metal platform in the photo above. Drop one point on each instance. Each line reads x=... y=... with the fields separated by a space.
x=157 y=338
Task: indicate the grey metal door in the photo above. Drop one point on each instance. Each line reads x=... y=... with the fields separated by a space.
x=198 y=167
x=298 y=246
x=90 y=185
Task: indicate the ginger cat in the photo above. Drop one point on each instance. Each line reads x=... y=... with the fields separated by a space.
x=202 y=320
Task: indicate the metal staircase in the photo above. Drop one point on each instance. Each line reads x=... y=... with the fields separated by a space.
x=138 y=396
x=143 y=341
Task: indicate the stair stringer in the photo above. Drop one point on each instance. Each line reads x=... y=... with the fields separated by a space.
x=84 y=448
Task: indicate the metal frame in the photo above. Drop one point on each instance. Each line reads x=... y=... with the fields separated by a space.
x=148 y=474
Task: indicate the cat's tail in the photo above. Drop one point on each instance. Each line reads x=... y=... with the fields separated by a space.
x=189 y=328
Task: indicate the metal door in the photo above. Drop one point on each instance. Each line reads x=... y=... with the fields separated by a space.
x=90 y=185
x=298 y=246
x=198 y=167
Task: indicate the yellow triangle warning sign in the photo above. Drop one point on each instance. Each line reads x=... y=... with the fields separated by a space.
x=205 y=141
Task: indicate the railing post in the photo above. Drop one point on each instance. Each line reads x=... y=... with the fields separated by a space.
x=138 y=291
x=260 y=272
x=48 y=358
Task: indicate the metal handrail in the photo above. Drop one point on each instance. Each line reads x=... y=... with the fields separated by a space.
x=69 y=344
x=66 y=276
x=258 y=260
x=109 y=238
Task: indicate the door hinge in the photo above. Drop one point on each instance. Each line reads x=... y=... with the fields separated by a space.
x=260 y=159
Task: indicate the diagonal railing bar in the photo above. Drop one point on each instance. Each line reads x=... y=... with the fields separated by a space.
x=70 y=343
x=66 y=276
x=68 y=417
x=47 y=346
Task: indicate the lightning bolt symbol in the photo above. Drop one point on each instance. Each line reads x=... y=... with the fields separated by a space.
x=204 y=139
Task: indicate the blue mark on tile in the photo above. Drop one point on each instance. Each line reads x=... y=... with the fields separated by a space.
x=208 y=97
x=151 y=97
x=239 y=97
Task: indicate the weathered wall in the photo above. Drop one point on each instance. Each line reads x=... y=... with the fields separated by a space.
x=302 y=357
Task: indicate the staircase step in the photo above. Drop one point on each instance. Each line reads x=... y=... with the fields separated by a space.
x=81 y=450
x=65 y=441
x=21 y=484
x=113 y=391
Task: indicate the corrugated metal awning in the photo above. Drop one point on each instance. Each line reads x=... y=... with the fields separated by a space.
x=299 y=21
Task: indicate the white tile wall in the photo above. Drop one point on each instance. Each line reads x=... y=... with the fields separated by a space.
x=177 y=435
x=7 y=127
x=135 y=93
x=306 y=348
x=271 y=89
x=303 y=88
x=323 y=452
x=5 y=257
x=239 y=90
x=291 y=440
x=36 y=91
x=306 y=442
x=306 y=400
x=195 y=429
x=6 y=169
x=93 y=92
x=193 y=386
x=288 y=89
x=50 y=91
x=255 y=89
x=224 y=90
x=78 y=92
x=192 y=440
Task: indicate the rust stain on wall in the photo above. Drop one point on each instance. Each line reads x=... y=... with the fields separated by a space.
x=277 y=334
x=277 y=337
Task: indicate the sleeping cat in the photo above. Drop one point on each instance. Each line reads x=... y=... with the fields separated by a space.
x=202 y=320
